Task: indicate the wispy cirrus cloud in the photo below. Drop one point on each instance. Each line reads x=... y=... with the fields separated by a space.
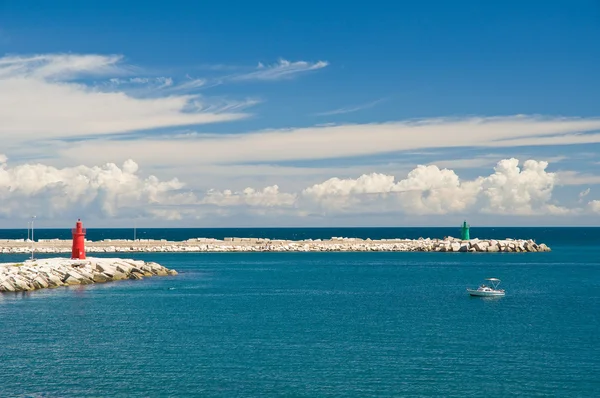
x=61 y=66
x=312 y=143
x=350 y=109
x=158 y=82
x=281 y=70
x=44 y=96
x=577 y=178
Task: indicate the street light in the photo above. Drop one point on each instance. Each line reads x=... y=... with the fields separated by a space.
x=32 y=240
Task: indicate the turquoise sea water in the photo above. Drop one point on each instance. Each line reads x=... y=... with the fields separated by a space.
x=315 y=324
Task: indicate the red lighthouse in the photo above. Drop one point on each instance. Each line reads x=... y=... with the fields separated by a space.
x=78 y=241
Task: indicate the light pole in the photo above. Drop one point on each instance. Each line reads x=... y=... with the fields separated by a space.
x=134 y=226
x=28 y=226
x=32 y=240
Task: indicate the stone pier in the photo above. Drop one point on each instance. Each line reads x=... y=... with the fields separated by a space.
x=334 y=244
x=56 y=272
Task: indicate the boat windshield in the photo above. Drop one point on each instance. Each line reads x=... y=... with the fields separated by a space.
x=494 y=281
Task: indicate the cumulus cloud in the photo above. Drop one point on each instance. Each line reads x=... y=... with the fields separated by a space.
x=39 y=97
x=113 y=192
x=281 y=70
x=509 y=190
x=107 y=191
x=518 y=191
x=430 y=190
x=267 y=197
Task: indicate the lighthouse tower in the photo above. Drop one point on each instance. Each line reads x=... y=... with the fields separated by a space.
x=78 y=241
x=464 y=232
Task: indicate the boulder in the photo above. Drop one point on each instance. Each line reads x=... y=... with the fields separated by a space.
x=84 y=272
x=6 y=286
x=136 y=275
x=543 y=248
x=40 y=282
x=53 y=280
x=481 y=246
x=124 y=268
x=69 y=280
x=100 y=278
x=107 y=269
x=20 y=284
x=118 y=276
x=61 y=273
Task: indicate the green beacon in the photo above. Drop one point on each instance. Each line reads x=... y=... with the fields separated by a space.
x=464 y=232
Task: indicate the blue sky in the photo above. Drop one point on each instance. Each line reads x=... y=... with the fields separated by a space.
x=269 y=80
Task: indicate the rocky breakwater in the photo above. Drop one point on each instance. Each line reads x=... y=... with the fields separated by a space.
x=488 y=245
x=335 y=244
x=56 y=272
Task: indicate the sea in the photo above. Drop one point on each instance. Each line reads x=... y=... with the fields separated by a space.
x=315 y=324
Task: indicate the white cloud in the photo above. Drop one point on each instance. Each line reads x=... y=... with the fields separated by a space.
x=481 y=161
x=267 y=197
x=107 y=191
x=349 y=109
x=584 y=193
x=515 y=191
x=339 y=141
x=38 y=99
x=577 y=178
x=281 y=70
x=110 y=192
x=155 y=82
x=510 y=190
x=430 y=190
x=59 y=66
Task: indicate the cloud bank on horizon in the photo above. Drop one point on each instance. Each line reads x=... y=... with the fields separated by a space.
x=87 y=110
x=113 y=192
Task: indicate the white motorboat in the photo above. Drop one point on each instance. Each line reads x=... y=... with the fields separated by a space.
x=488 y=291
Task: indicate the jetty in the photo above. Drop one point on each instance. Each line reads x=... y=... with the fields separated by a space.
x=233 y=244
x=35 y=274
x=57 y=272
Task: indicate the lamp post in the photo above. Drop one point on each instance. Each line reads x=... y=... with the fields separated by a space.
x=32 y=240
x=28 y=226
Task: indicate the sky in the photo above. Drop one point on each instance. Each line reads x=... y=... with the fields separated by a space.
x=243 y=114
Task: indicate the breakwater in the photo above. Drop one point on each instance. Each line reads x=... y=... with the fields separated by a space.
x=335 y=244
x=56 y=272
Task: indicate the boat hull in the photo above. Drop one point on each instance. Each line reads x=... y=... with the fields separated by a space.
x=479 y=293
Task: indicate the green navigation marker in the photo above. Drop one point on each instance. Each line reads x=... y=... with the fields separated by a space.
x=464 y=232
